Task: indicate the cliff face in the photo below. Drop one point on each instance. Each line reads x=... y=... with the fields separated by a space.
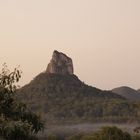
x=60 y=64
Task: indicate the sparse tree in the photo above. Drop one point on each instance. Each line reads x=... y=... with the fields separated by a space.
x=17 y=122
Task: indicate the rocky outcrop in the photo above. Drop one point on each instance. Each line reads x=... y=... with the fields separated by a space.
x=60 y=64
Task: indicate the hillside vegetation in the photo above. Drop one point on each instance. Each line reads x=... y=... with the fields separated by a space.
x=64 y=98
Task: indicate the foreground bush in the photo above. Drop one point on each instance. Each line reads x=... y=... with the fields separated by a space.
x=74 y=137
x=136 y=137
x=113 y=133
x=106 y=133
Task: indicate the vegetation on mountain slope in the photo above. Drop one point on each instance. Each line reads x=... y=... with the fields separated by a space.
x=63 y=98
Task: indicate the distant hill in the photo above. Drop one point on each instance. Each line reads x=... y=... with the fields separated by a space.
x=127 y=92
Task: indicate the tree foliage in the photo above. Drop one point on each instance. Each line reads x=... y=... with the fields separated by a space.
x=16 y=120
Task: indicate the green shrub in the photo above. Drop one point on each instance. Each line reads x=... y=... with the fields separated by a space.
x=15 y=130
x=108 y=133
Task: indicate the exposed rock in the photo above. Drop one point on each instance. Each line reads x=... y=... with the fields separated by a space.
x=60 y=64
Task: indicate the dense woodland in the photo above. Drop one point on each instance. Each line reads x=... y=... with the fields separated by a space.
x=64 y=98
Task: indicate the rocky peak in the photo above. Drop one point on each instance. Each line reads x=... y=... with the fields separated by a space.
x=60 y=64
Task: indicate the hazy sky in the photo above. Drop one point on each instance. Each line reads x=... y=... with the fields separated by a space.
x=102 y=37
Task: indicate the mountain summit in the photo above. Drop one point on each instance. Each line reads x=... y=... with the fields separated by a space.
x=60 y=64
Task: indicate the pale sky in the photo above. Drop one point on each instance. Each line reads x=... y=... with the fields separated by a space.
x=101 y=36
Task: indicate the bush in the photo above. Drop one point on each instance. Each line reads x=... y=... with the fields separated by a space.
x=136 y=137
x=17 y=122
x=15 y=130
x=113 y=133
x=74 y=137
x=108 y=133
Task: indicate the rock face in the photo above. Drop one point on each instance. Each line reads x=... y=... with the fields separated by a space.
x=60 y=64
